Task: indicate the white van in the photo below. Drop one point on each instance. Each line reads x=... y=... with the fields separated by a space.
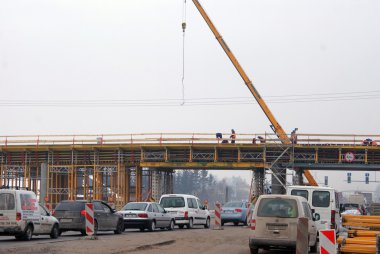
x=274 y=223
x=186 y=209
x=324 y=201
x=22 y=216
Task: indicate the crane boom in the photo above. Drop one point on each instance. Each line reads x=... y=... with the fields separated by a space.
x=279 y=131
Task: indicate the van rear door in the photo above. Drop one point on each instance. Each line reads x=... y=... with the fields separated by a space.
x=321 y=203
x=7 y=210
x=277 y=219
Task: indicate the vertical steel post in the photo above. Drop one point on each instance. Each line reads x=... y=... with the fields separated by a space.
x=138 y=183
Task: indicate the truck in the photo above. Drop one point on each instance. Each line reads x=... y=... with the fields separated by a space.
x=357 y=199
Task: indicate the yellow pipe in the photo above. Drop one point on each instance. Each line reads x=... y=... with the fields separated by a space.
x=357 y=240
x=352 y=248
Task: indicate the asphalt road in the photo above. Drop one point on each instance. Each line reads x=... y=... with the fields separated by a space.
x=233 y=239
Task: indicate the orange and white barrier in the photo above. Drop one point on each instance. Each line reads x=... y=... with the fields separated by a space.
x=327 y=241
x=89 y=219
x=302 y=245
x=249 y=214
x=218 y=220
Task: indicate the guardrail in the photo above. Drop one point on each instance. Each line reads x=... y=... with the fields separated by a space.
x=184 y=138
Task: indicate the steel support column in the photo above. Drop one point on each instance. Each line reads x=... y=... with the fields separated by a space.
x=138 y=183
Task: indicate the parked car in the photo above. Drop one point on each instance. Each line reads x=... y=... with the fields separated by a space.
x=352 y=212
x=186 y=209
x=234 y=211
x=21 y=216
x=146 y=215
x=348 y=206
x=275 y=219
x=71 y=215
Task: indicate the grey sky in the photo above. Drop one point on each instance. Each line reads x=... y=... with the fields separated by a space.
x=125 y=50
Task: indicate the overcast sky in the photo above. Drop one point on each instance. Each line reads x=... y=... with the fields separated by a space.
x=99 y=52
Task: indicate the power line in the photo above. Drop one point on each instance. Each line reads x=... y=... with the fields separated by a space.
x=275 y=99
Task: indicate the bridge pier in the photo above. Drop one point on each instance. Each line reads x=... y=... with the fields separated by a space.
x=278 y=180
x=258 y=182
x=298 y=176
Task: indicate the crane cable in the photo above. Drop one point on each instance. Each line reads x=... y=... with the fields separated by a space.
x=183 y=50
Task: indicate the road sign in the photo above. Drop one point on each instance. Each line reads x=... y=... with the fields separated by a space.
x=349 y=177
x=349 y=157
x=367 y=178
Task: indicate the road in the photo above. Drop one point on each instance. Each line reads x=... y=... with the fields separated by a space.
x=197 y=240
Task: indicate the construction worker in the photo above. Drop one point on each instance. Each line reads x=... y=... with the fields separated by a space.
x=293 y=136
x=261 y=139
x=233 y=136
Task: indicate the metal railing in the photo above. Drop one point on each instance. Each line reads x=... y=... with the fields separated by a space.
x=182 y=138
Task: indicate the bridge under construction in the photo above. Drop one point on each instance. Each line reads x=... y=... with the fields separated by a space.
x=122 y=168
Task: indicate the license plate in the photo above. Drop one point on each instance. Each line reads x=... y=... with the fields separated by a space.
x=228 y=211
x=66 y=220
x=130 y=215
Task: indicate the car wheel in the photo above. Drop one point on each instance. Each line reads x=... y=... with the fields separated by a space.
x=245 y=222
x=254 y=250
x=152 y=226
x=18 y=237
x=222 y=223
x=207 y=225
x=180 y=226
x=83 y=232
x=119 y=227
x=27 y=236
x=171 y=225
x=190 y=224
x=142 y=229
x=236 y=223
x=54 y=232
x=314 y=248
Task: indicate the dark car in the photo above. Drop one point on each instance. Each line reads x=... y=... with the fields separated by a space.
x=72 y=217
x=148 y=215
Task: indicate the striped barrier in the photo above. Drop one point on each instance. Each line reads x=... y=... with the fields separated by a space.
x=302 y=244
x=218 y=219
x=90 y=219
x=327 y=241
x=249 y=214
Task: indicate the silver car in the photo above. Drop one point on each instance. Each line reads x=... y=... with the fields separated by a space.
x=146 y=215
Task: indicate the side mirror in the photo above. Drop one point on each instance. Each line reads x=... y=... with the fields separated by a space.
x=316 y=217
x=313 y=210
x=113 y=210
x=165 y=211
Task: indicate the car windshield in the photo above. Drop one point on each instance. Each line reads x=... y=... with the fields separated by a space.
x=277 y=207
x=70 y=206
x=135 y=206
x=167 y=202
x=233 y=204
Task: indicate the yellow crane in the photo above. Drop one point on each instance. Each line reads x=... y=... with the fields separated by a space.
x=279 y=131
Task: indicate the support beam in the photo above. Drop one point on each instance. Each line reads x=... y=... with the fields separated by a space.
x=43 y=187
x=138 y=184
x=278 y=182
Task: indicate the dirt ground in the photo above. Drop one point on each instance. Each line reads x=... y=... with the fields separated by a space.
x=198 y=240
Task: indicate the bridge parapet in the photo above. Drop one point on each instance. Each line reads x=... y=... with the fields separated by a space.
x=185 y=138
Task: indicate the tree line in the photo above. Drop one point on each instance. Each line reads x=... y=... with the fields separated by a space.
x=207 y=187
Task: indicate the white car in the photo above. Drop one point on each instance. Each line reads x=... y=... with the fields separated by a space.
x=22 y=216
x=186 y=209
